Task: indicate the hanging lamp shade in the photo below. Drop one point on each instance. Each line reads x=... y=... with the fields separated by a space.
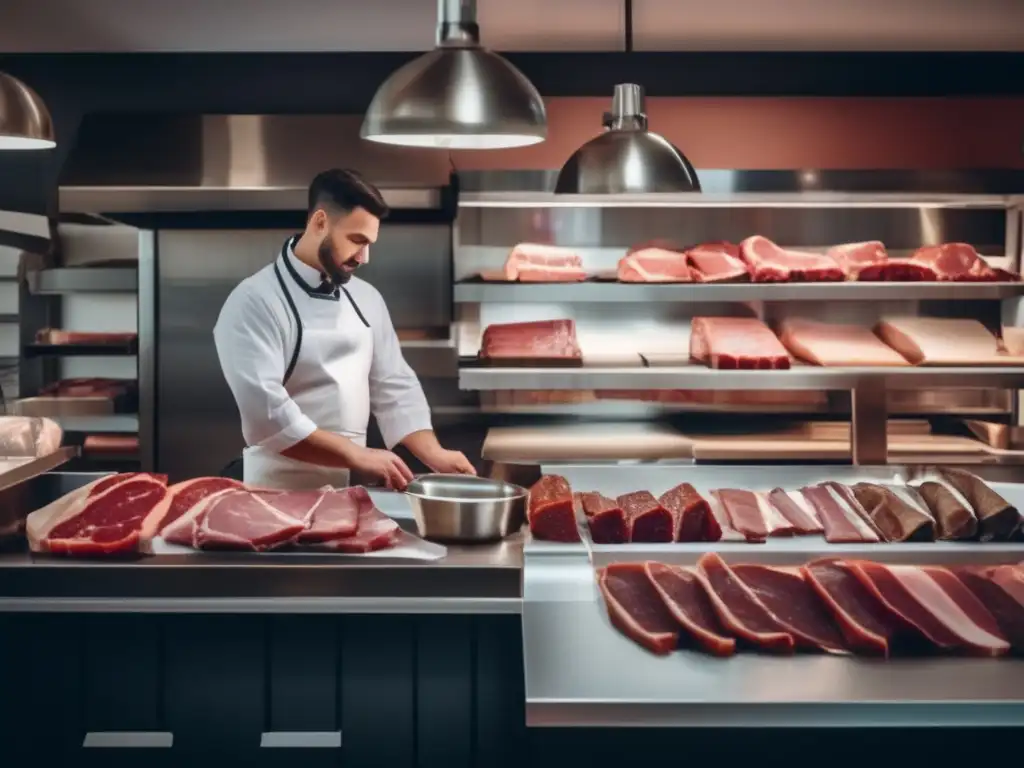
x=25 y=121
x=458 y=96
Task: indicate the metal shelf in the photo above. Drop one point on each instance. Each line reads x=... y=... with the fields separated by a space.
x=699 y=377
x=608 y=292
x=84 y=279
x=118 y=423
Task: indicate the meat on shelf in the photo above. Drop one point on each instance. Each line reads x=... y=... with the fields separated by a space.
x=946 y=504
x=736 y=342
x=535 y=339
x=123 y=514
x=654 y=264
x=836 y=606
x=537 y=263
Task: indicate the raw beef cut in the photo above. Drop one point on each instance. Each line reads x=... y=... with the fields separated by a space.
x=58 y=337
x=114 y=515
x=329 y=514
x=717 y=263
x=646 y=519
x=636 y=609
x=721 y=520
x=794 y=604
x=796 y=509
x=938 y=340
x=692 y=516
x=375 y=531
x=736 y=343
x=842 y=518
x=935 y=602
x=896 y=512
x=550 y=510
x=771 y=264
x=184 y=496
x=245 y=520
x=88 y=387
x=110 y=444
x=833 y=344
x=535 y=263
x=955 y=261
x=752 y=515
x=867 y=625
x=685 y=595
x=183 y=529
x=870 y=262
x=998 y=519
x=739 y=610
x=605 y=518
x=538 y=339
x=954 y=516
x=654 y=265
x=1001 y=590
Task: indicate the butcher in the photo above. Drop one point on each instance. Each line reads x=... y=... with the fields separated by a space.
x=309 y=352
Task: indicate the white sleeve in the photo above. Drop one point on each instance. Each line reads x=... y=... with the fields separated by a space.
x=396 y=397
x=251 y=345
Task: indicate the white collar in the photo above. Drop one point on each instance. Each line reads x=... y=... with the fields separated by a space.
x=311 y=275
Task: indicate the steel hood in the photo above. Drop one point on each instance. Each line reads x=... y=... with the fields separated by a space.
x=162 y=163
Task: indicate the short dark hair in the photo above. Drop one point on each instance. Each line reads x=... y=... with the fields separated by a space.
x=343 y=189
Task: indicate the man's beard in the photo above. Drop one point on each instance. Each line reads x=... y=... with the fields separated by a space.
x=336 y=274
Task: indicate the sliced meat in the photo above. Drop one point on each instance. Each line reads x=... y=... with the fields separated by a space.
x=796 y=509
x=185 y=495
x=739 y=610
x=951 y=619
x=842 y=518
x=769 y=263
x=998 y=519
x=866 y=623
x=605 y=518
x=1001 y=590
x=691 y=514
x=721 y=523
x=954 y=261
x=539 y=339
x=870 y=262
x=752 y=515
x=833 y=344
x=685 y=595
x=247 y=521
x=550 y=510
x=954 y=517
x=717 y=263
x=636 y=609
x=375 y=531
x=896 y=512
x=654 y=265
x=939 y=340
x=736 y=343
x=646 y=519
x=183 y=529
x=794 y=604
x=329 y=515
x=536 y=263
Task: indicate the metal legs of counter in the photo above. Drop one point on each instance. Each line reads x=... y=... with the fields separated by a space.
x=354 y=690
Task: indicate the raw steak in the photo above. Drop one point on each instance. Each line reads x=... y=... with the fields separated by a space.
x=736 y=342
x=954 y=516
x=534 y=263
x=722 y=522
x=717 y=263
x=654 y=265
x=538 y=339
x=550 y=511
x=794 y=604
x=998 y=520
x=866 y=623
x=739 y=610
x=691 y=513
x=1001 y=590
x=684 y=593
x=185 y=495
x=752 y=515
x=114 y=515
x=375 y=531
x=796 y=509
x=245 y=520
x=330 y=514
x=605 y=518
x=646 y=519
x=935 y=602
x=841 y=516
x=955 y=261
x=59 y=337
x=832 y=344
x=896 y=512
x=870 y=262
x=636 y=609
x=939 y=340
x=771 y=264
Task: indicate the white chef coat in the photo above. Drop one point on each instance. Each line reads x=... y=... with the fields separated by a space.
x=347 y=363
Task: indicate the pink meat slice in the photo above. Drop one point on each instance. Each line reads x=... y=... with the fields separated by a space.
x=866 y=623
x=954 y=261
x=796 y=509
x=636 y=609
x=870 y=262
x=835 y=344
x=692 y=516
x=185 y=495
x=334 y=515
x=245 y=520
x=535 y=339
x=654 y=265
x=1001 y=590
x=685 y=594
x=771 y=264
x=736 y=343
x=739 y=610
x=745 y=513
x=375 y=531
x=646 y=519
x=838 y=513
x=537 y=263
x=717 y=263
x=794 y=604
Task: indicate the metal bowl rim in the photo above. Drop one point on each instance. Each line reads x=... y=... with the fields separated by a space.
x=519 y=492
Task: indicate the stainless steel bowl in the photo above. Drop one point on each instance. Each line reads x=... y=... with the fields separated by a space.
x=465 y=508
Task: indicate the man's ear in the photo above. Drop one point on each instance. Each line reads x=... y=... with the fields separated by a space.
x=318 y=221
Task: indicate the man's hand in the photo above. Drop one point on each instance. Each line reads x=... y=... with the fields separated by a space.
x=382 y=465
x=449 y=463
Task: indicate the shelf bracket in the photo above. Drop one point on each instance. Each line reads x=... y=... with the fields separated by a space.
x=869 y=423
